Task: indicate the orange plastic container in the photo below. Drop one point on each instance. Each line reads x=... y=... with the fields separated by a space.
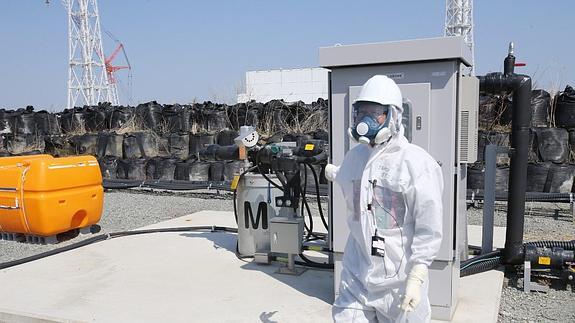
x=42 y=195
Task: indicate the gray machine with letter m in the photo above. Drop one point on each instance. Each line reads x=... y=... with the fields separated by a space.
x=441 y=107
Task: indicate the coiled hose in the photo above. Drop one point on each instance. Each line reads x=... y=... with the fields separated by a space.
x=492 y=260
x=479 y=264
x=567 y=245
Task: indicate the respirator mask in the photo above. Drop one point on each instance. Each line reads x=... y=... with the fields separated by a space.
x=372 y=123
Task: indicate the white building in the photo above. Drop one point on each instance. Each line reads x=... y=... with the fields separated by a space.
x=305 y=84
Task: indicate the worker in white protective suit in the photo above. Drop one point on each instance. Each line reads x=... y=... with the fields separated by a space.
x=394 y=213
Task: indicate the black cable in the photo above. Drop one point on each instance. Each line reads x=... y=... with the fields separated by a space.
x=481 y=266
x=307 y=261
x=235 y=191
x=113 y=235
x=239 y=255
x=567 y=245
x=309 y=228
x=269 y=180
x=318 y=197
x=235 y=208
x=400 y=233
x=317 y=248
x=491 y=254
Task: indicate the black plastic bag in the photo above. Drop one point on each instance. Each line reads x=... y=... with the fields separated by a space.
x=140 y=144
x=243 y=114
x=179 y=145
x=226 y=137
x=4 y=122
x=540 y=107
x=108 y=167
x=193 y=171
x=162 y=168
x=58 y=145
x=231 y=169
x=133 y=169
x=46 y=123
x=217 y=171
x=565 y=108
x=200 y=171
x=199 y=142
x=537 y=176
x=72 y=120
x=173 y=118
x=19 y=144
x=492 y=138
x=86 y=144
x=476 y=178
x=23 y=122
x=121 y=116
x=150 y=115
x=552 y=144
x=560 y=178
x=215 y=117
x=97 y=118
x=110 y=144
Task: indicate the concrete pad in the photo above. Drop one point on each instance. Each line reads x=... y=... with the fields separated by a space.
x=163 y=277
x=479 y=298
x=474 y=236
x=189 y=277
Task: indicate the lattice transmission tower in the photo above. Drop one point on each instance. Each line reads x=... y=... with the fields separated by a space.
x=88 y=79
x=459 y=22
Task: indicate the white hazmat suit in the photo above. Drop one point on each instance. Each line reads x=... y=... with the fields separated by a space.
x=393 y=191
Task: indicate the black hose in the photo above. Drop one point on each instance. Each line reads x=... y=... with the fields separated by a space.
x=174 y=185
x=317 y=196
x=317 y=248
x=478 y=194
x=303 y=191
x=112 y=235
x=235 y=207
x=269 y=180
x=496 y=253
x=567 y=245
x=235 y=191
x=305 y=205
x=493 y=259
x=481 y=266
x=311 y=263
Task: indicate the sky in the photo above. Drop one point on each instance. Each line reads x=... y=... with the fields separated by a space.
x=183 y=51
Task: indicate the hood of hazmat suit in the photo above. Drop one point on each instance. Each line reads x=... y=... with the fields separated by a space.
x=393 y=190
x=375 y=120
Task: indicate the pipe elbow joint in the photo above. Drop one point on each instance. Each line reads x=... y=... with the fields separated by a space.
x=514 y=254
x=494 y=82
x=520 y=81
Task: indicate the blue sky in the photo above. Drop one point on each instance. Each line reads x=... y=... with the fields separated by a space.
x=185 y=50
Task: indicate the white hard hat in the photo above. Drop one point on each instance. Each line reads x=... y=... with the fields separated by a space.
x=383 y=90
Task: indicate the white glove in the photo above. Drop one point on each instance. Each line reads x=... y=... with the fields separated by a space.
x=331 y=172
x=417 y=276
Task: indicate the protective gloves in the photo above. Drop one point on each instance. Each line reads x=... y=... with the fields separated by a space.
x=331 y=172
x=417 y=276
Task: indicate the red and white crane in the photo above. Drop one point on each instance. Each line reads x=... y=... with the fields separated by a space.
x=90 y=74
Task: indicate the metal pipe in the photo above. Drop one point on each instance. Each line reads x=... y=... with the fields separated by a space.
x=518 y=169
x=520 y=86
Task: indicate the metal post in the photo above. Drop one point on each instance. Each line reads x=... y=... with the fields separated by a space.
x=489 y=199
x=291 y=262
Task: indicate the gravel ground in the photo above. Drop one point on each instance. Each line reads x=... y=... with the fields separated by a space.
x=125 y=210
x=543 y=221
